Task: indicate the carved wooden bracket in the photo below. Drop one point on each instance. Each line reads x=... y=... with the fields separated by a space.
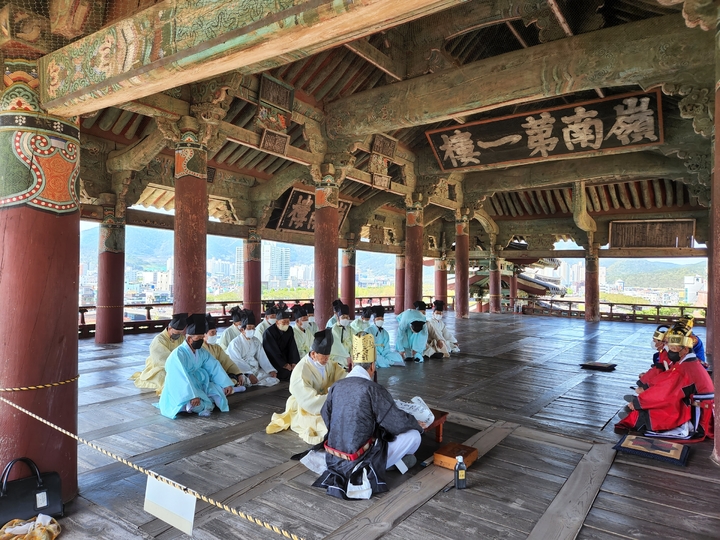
x=702 y=13
x=580 y=214
x=697 y=104
x=699 y=166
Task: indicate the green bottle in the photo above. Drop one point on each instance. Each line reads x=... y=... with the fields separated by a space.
x=460 y=470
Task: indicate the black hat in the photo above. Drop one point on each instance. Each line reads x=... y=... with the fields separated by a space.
x=420 y=305
x=248 y=317
x=211 y=324
x=178 y=321
x=282 y=314
x=336 y=305
x=272 y=310
x=367 y=312
x=417 y=326
x=439 y=305
x=379 y=311
x=323 y=341
x=309 y=308
x=197 y=324
x=298 y=311
x=343 y=309
x=236 y=313
x=269 y=305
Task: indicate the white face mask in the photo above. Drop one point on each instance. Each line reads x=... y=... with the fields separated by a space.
x=379 y=323
x=345 y=322
x=271 y=321
x=283 y=327
x=249 y=333
x=437 y=317
x=212 y=340
x=311 y=319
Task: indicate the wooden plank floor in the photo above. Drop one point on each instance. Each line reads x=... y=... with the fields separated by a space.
x=518 y=374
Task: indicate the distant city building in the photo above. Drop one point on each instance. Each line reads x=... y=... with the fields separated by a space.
x=275 y=262
x=240 y=264
x=693 y=285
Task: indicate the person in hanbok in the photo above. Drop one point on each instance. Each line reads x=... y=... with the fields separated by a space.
x=232 y=331
x=342 y=339
x=363 y=323
x=440 y=342
x=687 y=322
x=309 y=384
x=332 y=321
x=153 y=376
x=356 y=412
x=384 y=355
x=210 y=344
x=302 y=332
x=311 y=325
x=195 y=382
x=249 y=355
x=412 y=334
x=280 y=347
x=269 y=320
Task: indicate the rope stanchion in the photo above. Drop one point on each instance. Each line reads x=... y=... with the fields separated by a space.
x=150 y=473
x=39 y=386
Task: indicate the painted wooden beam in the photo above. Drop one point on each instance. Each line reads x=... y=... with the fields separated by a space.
x=645 y=53
x=377 y=58
x=612 y=253
x=245 y=137
x=176 y=42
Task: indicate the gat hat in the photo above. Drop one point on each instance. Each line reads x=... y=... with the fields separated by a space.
x=679 y=337
x=323 y=341
x=660 y=332
x=379 y=311
x=439 y=305
x=272 y=310
x=178 y=321
x=211 y=324
x=367 y=312
x=298 y=311
x=337 y=304
x=417 y=326
x=420 y=305
x=309 y=308
x=363 y=348
x=344 y=309
x=269 y=305
x=282 y=314
x=236 y=313
x=197 y=324
x=248 y=317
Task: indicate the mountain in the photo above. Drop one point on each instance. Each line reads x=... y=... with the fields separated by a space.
x=644 y=273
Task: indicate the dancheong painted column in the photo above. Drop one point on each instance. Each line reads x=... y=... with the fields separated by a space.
x=462 y=267
x=413 y=254
x=326 y=244
x=191 y=215
x=592 y=285
x=111 y=274
x=441 y=280
x=40 y=249
x=714 y=252
x=399 y=284
x=347 y=278
x=252 y=285
x=494 y=283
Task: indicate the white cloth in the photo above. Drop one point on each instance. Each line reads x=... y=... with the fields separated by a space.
x=438 y=331
x=260 y=329
x=250 y=357
x=404 y=444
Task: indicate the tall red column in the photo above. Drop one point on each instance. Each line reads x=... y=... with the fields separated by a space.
x=399 y=284
x=326 y=244
x=413 y=254
x=111 y=275
x=252 y=283
x=714 y=254
x=347 y=279
x=191 y=215
x=441 y=280
x=40 y=245
x=495 y=287
x=592 y=286
x=462 y=267
x=513 y=290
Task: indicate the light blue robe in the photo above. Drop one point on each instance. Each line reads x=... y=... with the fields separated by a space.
x=384 y=357
x=189 y=376
x=407 y=340
x=332 y=322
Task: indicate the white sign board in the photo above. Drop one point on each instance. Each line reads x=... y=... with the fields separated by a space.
x=170 y=504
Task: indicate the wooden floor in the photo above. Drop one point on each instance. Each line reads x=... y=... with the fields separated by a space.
x=542 y=425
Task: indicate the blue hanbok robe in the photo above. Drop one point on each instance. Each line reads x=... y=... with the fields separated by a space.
x=408 y=341
x=384 y=356
x=331 y=322
x=193 y=374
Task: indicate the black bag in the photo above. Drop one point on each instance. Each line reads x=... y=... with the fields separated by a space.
x=28 y=497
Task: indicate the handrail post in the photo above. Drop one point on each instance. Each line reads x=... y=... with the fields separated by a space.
x=224 y=305
x=148 y=317
x=82 y=315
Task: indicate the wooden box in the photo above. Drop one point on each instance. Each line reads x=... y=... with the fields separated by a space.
x=446 y=456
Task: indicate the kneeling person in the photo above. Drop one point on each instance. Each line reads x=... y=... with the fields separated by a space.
x=361 y=415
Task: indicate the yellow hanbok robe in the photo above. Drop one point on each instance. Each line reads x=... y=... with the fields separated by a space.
x=308 y=392
x=221 y=356
x=303 y=339
x=153 y=376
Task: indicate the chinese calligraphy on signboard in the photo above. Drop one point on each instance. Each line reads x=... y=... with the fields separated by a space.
x=299 y=212
x=631 y=120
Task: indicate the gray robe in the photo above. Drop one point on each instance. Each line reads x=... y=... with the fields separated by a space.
x=355 y=410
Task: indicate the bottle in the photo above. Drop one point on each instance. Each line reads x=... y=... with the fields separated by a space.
x=460 y=469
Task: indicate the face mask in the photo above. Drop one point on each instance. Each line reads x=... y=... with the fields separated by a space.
x=437 y=317
x=175 y=337
x=212 y=340
x=345 y=322
x=249 y=333
x=283 y=327
x=674 y=356
x=311 y=319
x=379 y=323
x=271 y=321
x=196 y=344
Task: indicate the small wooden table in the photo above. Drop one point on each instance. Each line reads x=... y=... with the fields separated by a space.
x=440 y=417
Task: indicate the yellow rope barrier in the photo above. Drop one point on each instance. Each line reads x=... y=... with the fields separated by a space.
x=150 y=473
x=38 y=387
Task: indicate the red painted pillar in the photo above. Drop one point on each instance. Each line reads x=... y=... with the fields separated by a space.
x=40 y=244
x=462 y=268
x=111 y=276
x=399 y=284
x=592 y=286
x=513 y=290
x=347 y=279
x=713 y=321
x=191 y=215
x=495 y=286
x=441 y=280
x=252 y=284
x=326 y=245
x=413 y=254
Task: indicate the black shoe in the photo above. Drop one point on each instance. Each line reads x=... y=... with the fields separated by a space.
x=629 y=398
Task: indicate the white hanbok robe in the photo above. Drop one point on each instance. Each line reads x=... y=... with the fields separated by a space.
x=408 y=341
x=437 y=331
x=311 y=327
x=250 y=357
x=303 y=339
x=260 y=329
x=193 y=374
x=230 y=333
x=342 y=345
x=384 y=356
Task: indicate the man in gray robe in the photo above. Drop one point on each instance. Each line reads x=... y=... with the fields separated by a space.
x=367 y=433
